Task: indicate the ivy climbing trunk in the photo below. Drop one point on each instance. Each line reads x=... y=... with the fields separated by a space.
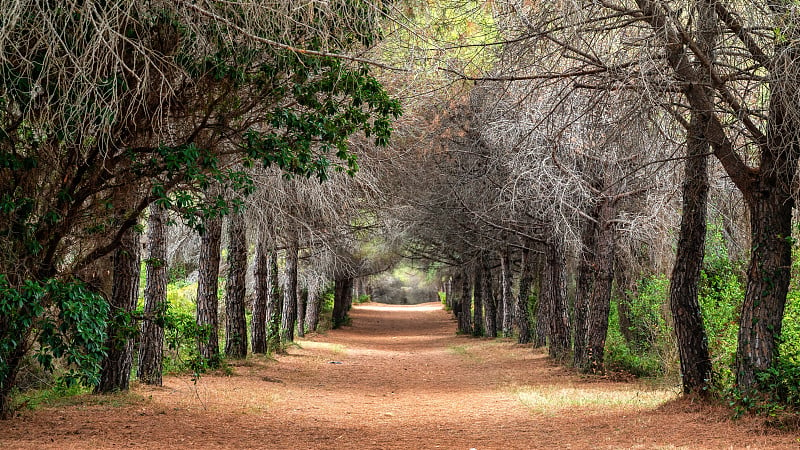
x=207 y=286
x=289 y=314
x=115 y=372
x=151 y=346
x=235 y=322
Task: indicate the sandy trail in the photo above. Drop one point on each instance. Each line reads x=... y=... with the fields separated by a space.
x=397 y=378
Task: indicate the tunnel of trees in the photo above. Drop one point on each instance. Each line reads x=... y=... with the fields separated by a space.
x=189 y=182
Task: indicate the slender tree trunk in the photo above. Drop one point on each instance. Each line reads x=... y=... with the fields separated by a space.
x=263 y=291
x=115 y=372
x=600 y=300
x=554 y=296
x=289 y=315
x=477 y=300
x=312 y=311
x=342 y=299
x=235 y=322
x=274 y=305
x=542 y=313
x=507 y=294
x=489 y=301
x=521 y=312
x=151 y=347
x=586 y=275
x=302 y=301
x=465 y=304
x=207 y=287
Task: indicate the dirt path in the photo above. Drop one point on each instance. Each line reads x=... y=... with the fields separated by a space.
x=398 y=378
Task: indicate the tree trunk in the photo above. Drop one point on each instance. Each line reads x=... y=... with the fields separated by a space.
x=521 y=311
x=302 y=301
x=207 y=286
x=507 y=295
x=151 y=346
x=115 y=373
x=342 y=298
x=600 y=300
x=687 y=317
x=477 y=300
x=554 y=298
x=263 y=292
x=235 y=322
x=289 y=315
x=314 y=304
x=274 y=305
x=586 y=275
x=465 y=304
x=489 y=301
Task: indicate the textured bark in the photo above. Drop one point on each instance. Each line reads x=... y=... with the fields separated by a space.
x=586 y=275
x=235 y=322
x=115 y=372
x=554 y=296
x=151 y=347
x=263 y=292
x=507 y=295
x=313 y=306
x=489 y=301
x=342 y=299
x=274 y=305
x=542 y=313
x=289 y=314
x=207 y=286
x=302 y=301
x=465 y=304
x=521 y=312
x=600 y=300
x=477 y=301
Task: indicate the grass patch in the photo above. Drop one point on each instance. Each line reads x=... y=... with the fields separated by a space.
x=325 y=346
x=550 y=400
x=463 y=351
x=63 y=396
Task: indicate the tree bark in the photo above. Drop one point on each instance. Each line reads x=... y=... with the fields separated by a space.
x=586 y=275
x=235 y=321
x=600 y=300
x=342 y=299
x=207 y=286
x=115 y=372
x=151 y=346
x=465 y=304
x=312 y=311
x=302 y=301
x=289 y=315
x=263 y=292
x=274 y=305
x=554 y=297
x=489 y=300
x=507 y=296
x=521 y=312
x=477 y=300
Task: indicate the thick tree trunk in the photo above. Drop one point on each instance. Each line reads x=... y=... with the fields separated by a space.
x=207 y=286
x=314 y=305
x=263 y=292
x=507 y=279
x=586 y=276
x=477 y=300
x=489 y=301
x=235 y=321
x=302 y=301
x=274 y=305
x=151 y=346
x=342 y=299
x=554 y=296
x=600 y=300
x=115 y=373
x=465 y=304
x=289 y=315
x=684 y=304
x=521 y=312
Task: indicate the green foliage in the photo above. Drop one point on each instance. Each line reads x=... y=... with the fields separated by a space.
x=65 y=319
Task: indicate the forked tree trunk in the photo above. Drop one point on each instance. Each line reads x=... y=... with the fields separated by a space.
x=151 y=346
x=289 y=315
x=263 y=291
x=554 y=296
x=207 y=286
x=477 y=300
x=600 y=300
x=521 y=312
x=115 y=372
x=235 y=322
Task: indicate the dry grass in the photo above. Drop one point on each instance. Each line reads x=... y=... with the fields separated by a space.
x=552 y=400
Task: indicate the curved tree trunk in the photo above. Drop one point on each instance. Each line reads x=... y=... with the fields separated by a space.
x=263 y=291
x=151 y=347
x=521 y=312
x=207 y=286
x=235 y=322
x=289 y=315
x=115 y=372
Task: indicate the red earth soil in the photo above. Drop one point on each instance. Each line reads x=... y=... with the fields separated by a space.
x=397 y=378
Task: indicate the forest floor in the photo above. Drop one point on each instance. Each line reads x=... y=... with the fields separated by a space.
x=399 y=377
